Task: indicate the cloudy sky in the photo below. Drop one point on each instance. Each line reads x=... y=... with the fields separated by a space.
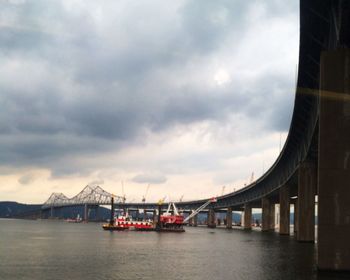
x=187 y=96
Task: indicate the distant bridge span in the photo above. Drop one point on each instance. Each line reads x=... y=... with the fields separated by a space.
x=90 y=195
x=316 y=156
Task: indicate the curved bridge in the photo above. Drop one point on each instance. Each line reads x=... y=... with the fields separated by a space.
x=315 y=159
x=316 y=35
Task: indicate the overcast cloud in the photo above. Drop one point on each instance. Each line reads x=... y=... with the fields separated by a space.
x=123 y=89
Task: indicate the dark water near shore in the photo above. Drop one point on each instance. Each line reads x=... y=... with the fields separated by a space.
x=58 y=250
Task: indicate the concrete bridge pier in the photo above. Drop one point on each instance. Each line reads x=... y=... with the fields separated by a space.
x=284 y=211
x=306 y=202
x=266 y=214
x=247 y=216
x=155 y=216
x=295 y=216
x=52 y=212
x=97 y=213
x=272 y=216
x=229 y=218
x=86 y=213
x=211 y=218
x=334 y=161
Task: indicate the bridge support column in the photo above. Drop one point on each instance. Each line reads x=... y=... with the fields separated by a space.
x=265 y=216
x=334 y=162
x=306 y=202
x=52 y=212
x=284 y=211
x=247 y=216
x=211 y=218
x=97 y=216
x=295 y=216
x=272 y=216
x=155 y=216
x=229 y=218
x=86 y=213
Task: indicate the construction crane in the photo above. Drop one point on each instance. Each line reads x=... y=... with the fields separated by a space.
x=161 y=201
x=223 y=190
x=200 y=208
x=251 y=178
x=123 y=193
x=144 y=197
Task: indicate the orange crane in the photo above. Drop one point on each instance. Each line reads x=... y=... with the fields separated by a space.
x=144 y=197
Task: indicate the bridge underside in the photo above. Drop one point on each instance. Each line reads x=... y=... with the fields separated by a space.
x=315 y=159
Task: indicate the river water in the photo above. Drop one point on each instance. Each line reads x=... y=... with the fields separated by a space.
x=46 y=249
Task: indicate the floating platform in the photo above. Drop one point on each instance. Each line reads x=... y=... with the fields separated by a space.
x=144 y=229
x=113 y=228
x=170 y=229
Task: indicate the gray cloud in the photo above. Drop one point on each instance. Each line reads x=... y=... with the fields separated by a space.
x=26 y=179
x=96 y=182
x=77 y=84
x=151 y=178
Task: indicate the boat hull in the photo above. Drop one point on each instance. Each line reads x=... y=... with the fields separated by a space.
x=113 y=228
x=144 y=229
x=170 y=230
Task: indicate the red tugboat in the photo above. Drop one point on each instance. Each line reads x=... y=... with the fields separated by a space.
x=124 y=222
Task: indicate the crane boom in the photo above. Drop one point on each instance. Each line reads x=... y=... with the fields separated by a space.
x=200 y=208
x=124 y=197
x=223 y=190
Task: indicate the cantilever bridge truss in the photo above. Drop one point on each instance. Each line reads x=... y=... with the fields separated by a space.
x=90 y=195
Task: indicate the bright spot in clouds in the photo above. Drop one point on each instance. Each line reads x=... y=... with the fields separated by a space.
x=222 y=77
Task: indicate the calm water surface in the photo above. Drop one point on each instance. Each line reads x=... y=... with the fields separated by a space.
x=58 y=250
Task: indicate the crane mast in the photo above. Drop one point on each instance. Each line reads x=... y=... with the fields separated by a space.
x=144 y=197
